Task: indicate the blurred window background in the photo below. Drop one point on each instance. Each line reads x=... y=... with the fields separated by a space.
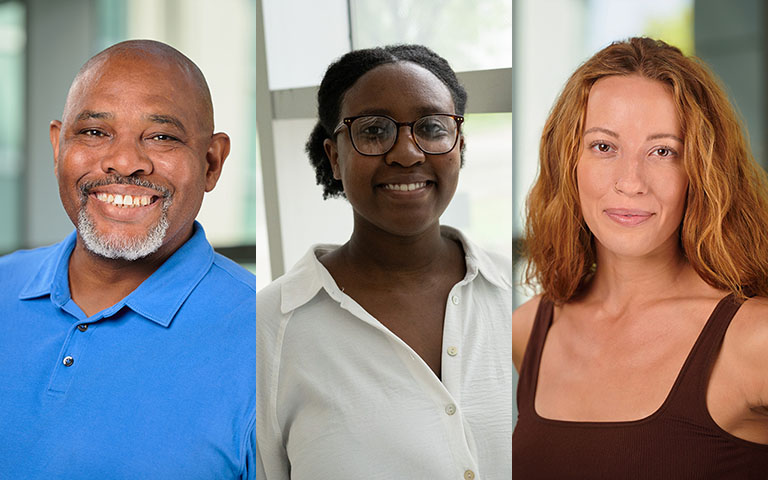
x=12 y=88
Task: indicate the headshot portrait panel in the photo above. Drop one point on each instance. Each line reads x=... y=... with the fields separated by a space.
x=641 y=264
x=128 y=241
x=384 y=291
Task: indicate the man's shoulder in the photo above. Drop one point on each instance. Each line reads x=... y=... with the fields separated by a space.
x=19 y=265
x=225 y=288
x=234 y=274
x=24 y=257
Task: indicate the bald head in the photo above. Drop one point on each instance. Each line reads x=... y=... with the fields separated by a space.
x=165 y=58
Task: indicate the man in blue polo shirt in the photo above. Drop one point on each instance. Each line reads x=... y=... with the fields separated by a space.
x=129 y=348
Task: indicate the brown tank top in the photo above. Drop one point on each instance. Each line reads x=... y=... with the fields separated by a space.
x=679 y=441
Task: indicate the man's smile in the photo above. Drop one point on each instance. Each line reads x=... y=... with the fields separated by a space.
x=128 y=201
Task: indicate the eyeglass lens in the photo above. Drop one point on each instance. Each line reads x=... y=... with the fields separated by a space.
x=375 y=135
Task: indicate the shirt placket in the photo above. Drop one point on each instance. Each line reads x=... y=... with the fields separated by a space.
x=68 y=362
x=451 y=373
x=448 y=408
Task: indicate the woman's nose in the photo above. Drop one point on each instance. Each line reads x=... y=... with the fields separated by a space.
x=405 y=152
x=630 y=176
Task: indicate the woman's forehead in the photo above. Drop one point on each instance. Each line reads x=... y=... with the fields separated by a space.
x=396 y=83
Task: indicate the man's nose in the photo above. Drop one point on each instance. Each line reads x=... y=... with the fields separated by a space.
x=126 y=158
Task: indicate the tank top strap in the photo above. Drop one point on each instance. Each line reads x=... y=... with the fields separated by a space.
x=529 y=369
x=689 y=393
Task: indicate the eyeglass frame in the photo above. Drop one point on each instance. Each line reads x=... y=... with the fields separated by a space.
x=347 y=121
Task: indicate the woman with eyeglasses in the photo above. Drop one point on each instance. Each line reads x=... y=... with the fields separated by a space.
x=388 y=356
x=646 y=354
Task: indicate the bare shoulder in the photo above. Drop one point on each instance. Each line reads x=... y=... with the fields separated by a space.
x=747 y=342
x=522 y=323
x=751 y=322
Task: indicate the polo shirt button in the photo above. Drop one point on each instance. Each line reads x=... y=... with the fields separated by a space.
x=452 y=351
x=455 y=300
x=450 y=409
x=469 y=475
x=82 y=327
x=68 y=361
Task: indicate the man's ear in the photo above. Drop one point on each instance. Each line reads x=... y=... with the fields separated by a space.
x=332 y=152
x=54 y=130
x=218 y=150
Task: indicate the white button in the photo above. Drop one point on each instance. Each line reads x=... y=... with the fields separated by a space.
x=469 y=475
x=450 y=409
x=452 y=351
x=455 y=300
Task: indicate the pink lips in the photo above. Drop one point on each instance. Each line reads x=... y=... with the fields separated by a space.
x=627 y=217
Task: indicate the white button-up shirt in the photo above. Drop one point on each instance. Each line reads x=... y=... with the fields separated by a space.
x=339 y=396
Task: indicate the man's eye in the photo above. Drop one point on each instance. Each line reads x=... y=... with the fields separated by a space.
x=163 y=138
x=92 y=132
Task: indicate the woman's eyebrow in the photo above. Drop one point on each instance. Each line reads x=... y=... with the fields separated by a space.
x=603 y=130
x=657 y=136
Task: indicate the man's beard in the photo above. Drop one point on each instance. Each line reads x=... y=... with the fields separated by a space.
x=115 y=245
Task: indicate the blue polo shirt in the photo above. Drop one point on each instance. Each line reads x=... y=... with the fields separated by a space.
x=159 y=386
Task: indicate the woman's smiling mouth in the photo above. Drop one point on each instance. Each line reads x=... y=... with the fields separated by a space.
x=405 y=187
x=628 y=217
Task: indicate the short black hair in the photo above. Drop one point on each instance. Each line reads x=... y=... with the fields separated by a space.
x=340 y=77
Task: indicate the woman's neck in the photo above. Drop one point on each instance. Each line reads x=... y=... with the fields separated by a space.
x=621 y=282
x=372 y=248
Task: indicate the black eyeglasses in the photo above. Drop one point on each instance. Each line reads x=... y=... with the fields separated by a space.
x=376 y=134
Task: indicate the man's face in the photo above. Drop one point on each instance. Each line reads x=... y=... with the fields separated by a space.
x=134 y=155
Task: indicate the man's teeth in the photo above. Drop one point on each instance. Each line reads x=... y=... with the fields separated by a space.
x=124 y=200
x=405 y=187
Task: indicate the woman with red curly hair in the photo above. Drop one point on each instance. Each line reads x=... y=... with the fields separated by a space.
x=645 y=354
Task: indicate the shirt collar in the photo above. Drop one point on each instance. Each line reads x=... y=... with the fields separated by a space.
x=305 y=279
x=158 y=298
x=53 y=276
x=308 y=276
x=494 y=268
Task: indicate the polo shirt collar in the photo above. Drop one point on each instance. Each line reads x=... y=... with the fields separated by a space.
x=158 y=298
x=308 y=276
x=53 y=276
